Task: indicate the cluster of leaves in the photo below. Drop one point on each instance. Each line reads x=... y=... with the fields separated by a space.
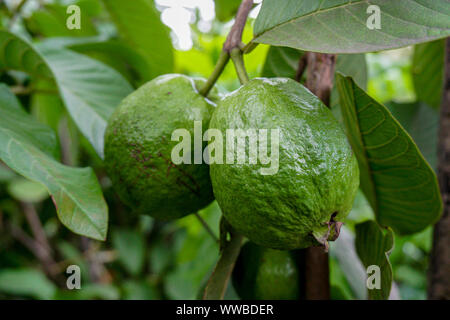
x=59 y=87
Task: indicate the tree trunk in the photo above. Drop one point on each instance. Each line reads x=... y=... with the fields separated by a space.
x=439 y=273
x=320 y=75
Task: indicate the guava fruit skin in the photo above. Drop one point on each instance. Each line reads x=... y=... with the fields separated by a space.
x=138 y=148
x=318 y=173
x=266 y=274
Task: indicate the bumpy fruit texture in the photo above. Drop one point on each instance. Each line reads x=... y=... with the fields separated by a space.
x=265 y=274
x=138 y=148
x=318 y=174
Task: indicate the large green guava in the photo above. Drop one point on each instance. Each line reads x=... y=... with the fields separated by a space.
x=301 y=201
x=138 y=148
x=266 y=274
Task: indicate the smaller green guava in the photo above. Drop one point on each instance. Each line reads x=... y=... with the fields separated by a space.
x=139 y=144
x=266 y=274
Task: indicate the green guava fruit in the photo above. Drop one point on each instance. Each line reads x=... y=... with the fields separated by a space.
x=293 y=199
x=138 y=148
x=265 y=274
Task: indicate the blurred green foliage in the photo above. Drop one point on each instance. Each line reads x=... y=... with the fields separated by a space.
x=143 y=258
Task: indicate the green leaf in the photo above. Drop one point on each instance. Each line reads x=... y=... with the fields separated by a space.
x=119 y=56
x=422 y=123
x=51 y=19
x=139 y=290
x=90 y=90
x=399 y=184
x=353 y=65
x=196 y=255
x=130 y=246
x=6 y=174
x=373 y=246
x=281 y=62
x=92 y=291
x=428 y=72
x=139 y=24
x=340 y=26
x=17 y=54
x=226 y=9
x=116 y=54
x=26 y=282
x=28 y=148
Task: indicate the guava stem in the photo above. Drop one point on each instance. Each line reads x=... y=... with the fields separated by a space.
x=206 y=226
x=238 y=61
x=218 y=69
x=218 y=282
x=233 y=41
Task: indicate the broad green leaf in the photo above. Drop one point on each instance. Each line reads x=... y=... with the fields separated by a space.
x=90 y=90
x=51 y=19
x=422 y=123
x=28 y=148
x=15 y=120
x=119 y=56
x=139 y=24
x=373 y=246
x=17 y=54
x=226 y=9
x=6 y=174
x=113 y=53
x=340 y=26
x=428 y=72
x=130 y=246
x=26 y=282
x=281 y=62
x=353 y=65
x=399 y=184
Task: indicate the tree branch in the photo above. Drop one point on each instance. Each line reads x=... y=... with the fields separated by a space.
x=320 y=75
x=234 y=38
x=439 y=272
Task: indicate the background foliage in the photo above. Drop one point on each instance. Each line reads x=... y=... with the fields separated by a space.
x=67 y=82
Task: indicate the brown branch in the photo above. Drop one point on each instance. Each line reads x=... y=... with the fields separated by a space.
x=439 y=272
x=302 y=63
x=320 y=75
x=38 y=250
x=234 y=38
x=36 y=226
